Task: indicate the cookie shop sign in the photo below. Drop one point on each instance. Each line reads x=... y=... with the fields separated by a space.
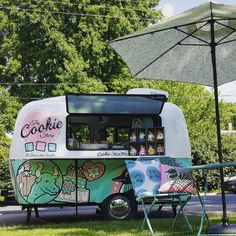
x=40 y=130
x=43 y=130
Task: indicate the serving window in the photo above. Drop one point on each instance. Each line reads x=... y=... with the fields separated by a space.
x=114 y=132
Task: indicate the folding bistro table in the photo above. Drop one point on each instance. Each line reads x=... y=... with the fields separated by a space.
x=212 y=229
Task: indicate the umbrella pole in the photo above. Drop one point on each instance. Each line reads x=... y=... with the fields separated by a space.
x=224 y=228
x=220 y=155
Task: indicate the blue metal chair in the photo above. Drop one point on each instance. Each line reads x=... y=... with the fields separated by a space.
x=145 y=176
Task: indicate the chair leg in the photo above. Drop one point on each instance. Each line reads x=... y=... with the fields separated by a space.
x=187 y=221
x=175 y=219
x=181 y=211
x=185 y=218
x=203 y=215
x=146 y=218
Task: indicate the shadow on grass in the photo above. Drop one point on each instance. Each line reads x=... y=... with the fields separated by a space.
x=47 y=217
x=100 y=228
x=95 y=226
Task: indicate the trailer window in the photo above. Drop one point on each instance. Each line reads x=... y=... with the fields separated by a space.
x=77 y=135
x=117 y=135
x=96 y=132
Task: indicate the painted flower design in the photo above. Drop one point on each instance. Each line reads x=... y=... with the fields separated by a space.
x=68 y=187
x=93 y=172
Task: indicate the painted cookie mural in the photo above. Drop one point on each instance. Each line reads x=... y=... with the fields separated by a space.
x=87 y=171
x=44 y=181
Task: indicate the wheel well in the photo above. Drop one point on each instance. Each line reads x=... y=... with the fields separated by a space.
x=106 y=204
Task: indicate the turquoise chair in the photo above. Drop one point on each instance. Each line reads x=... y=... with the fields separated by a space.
x=145 y=175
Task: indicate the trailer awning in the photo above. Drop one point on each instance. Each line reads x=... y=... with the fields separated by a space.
x=115 y=104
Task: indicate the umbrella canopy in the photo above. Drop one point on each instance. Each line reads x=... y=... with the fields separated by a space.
x=197 y=46
x=178 y=48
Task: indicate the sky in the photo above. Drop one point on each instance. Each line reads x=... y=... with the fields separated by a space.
x=173 y=7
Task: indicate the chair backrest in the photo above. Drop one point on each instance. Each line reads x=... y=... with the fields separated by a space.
x=150 y=176
x=175 y=179
x=145 y=176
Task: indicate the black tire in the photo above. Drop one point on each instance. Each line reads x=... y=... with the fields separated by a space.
x=119 y=207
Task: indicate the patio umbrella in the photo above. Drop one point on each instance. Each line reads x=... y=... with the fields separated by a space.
x=197 y=46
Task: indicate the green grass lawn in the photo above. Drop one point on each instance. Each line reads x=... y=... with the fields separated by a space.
x=107 y=228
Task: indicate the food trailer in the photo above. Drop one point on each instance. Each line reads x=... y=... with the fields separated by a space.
x=58 y=157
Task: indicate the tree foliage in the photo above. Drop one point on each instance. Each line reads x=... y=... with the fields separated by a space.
x=9 y=108
x=4 y=153
x=65 y=43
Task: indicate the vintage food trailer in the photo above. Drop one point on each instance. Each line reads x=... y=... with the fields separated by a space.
x=57 y=157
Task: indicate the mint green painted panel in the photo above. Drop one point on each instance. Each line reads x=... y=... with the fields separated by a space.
x=54 y=182
x=36 y=181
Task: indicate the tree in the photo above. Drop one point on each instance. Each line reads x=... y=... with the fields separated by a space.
x=64 y=45
x=9 y=107
x=229 y=118
x=4 y=161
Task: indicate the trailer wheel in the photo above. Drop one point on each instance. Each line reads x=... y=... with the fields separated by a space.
x=119 y=207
